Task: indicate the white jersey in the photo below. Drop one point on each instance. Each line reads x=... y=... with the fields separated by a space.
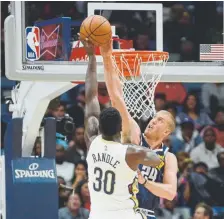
x=112 y=184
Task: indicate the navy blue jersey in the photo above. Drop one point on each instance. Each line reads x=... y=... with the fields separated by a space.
x=146 y=199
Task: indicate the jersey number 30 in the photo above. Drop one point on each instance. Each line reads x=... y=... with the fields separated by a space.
x=105 y=181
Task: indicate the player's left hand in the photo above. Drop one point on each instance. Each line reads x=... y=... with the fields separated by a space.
x=89 y=47
x=141 y=179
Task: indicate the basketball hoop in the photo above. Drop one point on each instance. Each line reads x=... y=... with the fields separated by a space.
x=140 y=72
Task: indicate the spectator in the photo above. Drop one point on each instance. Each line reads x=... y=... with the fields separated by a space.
x=219 y=126
x=208 y=150
x=203 y=211
x=76 y=111
x=77 y=147
x=80 y=173
x=198 y=181
x=186 y=138
x=64 y=169
x=218 y=173
x=171 y=107
x=183 y=186
x=216 y=183
x=63 y=193
x=212 y=96
x=37 y=148
x=182 y=157
x=142 y=41
x=83 y=190
x=168 y=212
x=191 y=108
x=160 y=101
x=73 y=209
x=59 y=111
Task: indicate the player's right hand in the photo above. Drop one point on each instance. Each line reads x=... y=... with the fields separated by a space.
x=89 y=47
x=107 y=49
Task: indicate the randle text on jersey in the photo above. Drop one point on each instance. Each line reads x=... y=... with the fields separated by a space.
x=32 y=43
x=104 y=157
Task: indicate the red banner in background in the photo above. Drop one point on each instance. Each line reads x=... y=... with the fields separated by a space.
x=78 y=53
x=51 y=46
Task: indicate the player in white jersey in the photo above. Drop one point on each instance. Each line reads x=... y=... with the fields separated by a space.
x=111 y=165
x=112 y=170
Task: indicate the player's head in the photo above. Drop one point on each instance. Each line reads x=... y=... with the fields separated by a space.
x=110 y=122
x=162 y=125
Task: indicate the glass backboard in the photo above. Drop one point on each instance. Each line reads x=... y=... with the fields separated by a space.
x=163 y=26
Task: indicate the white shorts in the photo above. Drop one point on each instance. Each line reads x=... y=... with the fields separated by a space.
x=120 y=214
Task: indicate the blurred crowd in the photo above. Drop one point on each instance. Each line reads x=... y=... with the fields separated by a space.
x=198 y=141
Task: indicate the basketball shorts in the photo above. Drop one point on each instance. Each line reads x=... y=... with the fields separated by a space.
x=120 y=214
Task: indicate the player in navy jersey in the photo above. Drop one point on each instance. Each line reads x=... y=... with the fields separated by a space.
x=155 y=183
x=148 y=202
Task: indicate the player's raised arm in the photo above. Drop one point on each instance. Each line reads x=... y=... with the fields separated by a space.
x=130 y=129
x=140 y=155
x=92 y=107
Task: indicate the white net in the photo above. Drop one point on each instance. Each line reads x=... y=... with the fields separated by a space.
x=140 y=72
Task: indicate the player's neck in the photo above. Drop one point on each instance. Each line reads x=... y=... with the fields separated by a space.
x=116 y=138
x=154 y=144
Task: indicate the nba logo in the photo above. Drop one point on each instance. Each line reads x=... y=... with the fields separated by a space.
x=32 y=43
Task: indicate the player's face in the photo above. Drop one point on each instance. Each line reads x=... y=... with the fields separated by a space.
x=158 y=127
x=199 y=213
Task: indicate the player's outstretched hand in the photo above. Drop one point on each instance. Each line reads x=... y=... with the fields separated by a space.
x=89 y=47
x=106 y=49
x=141 y=179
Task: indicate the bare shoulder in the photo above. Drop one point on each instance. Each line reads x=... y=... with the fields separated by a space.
x=91 y=129
x=92 y=125
x=171 y=162
x=170 y=156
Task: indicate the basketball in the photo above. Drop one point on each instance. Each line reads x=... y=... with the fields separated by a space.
x=97 y=29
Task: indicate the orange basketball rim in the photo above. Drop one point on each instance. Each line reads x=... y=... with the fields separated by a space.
x=129 y=62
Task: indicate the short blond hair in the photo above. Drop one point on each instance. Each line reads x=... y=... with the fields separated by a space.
x=171 y=123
